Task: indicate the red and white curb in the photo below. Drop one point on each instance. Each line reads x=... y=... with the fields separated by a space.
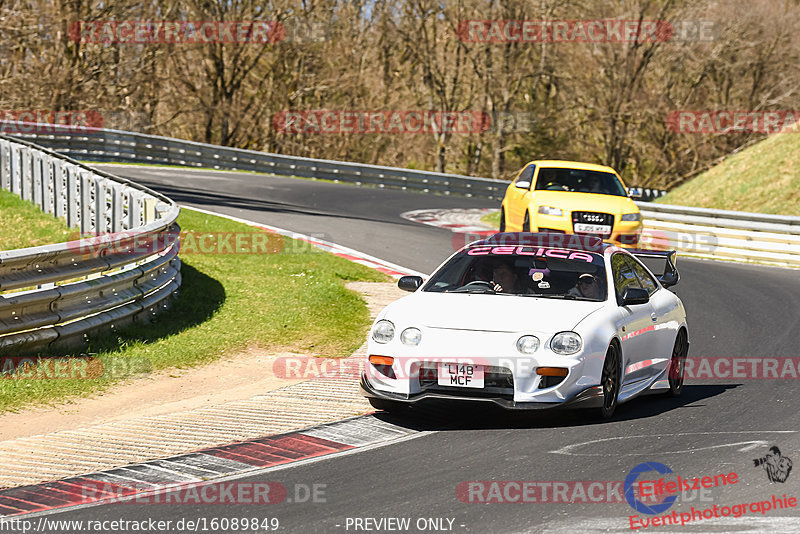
x=172 y=475
x=459 y=220
x=392 y=269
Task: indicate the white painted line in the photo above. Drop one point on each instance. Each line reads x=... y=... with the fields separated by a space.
x=569 y=449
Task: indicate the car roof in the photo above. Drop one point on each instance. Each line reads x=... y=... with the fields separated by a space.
x=564 y=164
x=583 y=243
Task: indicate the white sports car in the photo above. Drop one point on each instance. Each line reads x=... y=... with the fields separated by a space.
x=529 y=320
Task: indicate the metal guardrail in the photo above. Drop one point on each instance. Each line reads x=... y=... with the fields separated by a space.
x=95 y=144
x=54 y=296
x=700 y=232
x=723 y=234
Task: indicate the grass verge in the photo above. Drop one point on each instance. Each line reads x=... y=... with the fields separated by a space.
x=763 y=178
x=492 y=219
x=22 y=224
x=294 y=300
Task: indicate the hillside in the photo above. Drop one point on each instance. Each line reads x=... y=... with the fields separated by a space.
x=763 y=178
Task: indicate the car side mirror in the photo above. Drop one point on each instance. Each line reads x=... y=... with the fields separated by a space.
x=669 y=278
x=634 y=296
x=409 y=283
x=523 y=185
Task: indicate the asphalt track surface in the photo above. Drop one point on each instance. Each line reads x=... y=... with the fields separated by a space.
x=715 y=427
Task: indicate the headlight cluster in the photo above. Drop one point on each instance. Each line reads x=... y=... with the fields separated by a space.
x=383 y=332
x=550 y=210
x=528 y=344
x=411 y=336
x=632 y=217
x=566 y=343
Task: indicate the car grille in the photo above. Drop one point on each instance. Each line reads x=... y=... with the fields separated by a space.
x=591 y=217
x=497 y=382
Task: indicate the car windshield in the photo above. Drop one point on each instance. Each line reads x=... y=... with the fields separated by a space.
x=523 y=271
x=580 y=181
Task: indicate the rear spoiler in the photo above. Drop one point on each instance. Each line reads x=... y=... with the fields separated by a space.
x=670 y=275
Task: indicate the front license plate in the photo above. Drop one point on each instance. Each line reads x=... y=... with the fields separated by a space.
x=463 y=375
x=592 y=228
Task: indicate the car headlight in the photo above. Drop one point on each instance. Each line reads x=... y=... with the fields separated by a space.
x=528 y=344
x=383 y=331
x=550 y=210
x=411 y=336
x=566 y=343
x=632 y=216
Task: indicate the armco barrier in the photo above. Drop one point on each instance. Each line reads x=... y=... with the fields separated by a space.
x=97 y=144
x=722 y=234
x=701 y=232
x=54 y=296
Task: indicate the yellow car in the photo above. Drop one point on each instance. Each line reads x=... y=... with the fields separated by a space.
x=573 y=198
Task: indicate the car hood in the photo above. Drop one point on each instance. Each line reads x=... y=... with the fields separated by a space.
x=585 y=202
x=489 y=313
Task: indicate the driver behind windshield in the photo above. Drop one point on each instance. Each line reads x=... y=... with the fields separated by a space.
x=504 y=278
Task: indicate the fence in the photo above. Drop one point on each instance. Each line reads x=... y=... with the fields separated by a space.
x=54 y=296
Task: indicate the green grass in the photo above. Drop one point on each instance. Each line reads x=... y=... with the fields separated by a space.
x=23 y=225
x=293 y=300
x=763 y=178
x=492 y=219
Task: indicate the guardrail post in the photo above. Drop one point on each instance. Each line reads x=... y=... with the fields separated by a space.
x=26 y=174
x=149 y=206
x=5 y=175
x=102 y=208
x=59 y=191
x=48 y=186
x=117 y=214
x=72 y=201
x=37 y=162
x=14 y=186
x=89 y=217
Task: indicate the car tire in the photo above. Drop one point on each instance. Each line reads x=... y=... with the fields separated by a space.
x=610 y=381
x=526 y=224
x=388 y=405
x=677 y=364
x=502 y=227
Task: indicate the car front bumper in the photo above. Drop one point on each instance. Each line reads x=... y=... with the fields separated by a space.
x=591 y=397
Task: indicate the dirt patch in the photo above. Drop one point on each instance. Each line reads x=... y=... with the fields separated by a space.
x=239 y=377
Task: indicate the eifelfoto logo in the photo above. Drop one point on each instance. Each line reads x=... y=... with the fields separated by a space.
x=778 y=467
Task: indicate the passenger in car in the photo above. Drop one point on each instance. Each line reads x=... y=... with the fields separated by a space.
x=588 y=286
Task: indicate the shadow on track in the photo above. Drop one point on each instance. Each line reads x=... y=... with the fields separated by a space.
x=444 y=415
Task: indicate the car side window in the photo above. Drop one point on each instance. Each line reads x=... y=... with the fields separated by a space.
x=645 y=279
x=624 y=275
x=526 y=176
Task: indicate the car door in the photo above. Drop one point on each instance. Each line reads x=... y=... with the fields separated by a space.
x=665 y=308
x=518 y=201
x=634 y=325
